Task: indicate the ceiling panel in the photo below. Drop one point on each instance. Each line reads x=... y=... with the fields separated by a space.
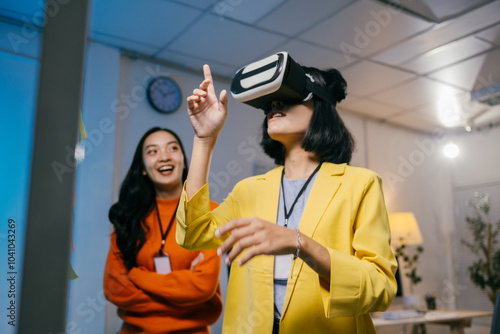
x=245 y=11
x=366 y=77
x=201 y=4
x=478 y=72
x=238 y=48
x=124 y=44
x=442 y=34
x=399 y=66
x=371 y=108
x=196 y=63
x=438 y=11
x=367 y=27
x=458 y=111
x=152 y=22
x=317 y=11
x=312 y=55
x=415 y=93
x=491 y=35
x=416 y=121
x=447 y=54
x=448 y=111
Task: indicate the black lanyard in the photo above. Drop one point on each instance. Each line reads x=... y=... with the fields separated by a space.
x=288 y=214
x=164 y=235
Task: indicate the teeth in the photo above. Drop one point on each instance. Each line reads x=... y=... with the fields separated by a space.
x=278 y=114
x=165 y=168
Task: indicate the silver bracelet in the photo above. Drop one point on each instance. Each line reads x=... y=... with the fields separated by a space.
x=298 y=245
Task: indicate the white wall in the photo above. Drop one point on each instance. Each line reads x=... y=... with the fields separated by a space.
x=476 y=169
x=479 y=159
x=237 y=147
x=416 y=177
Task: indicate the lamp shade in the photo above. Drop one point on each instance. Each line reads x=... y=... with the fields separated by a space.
x=404 y=229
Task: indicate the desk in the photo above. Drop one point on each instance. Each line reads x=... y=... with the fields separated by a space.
x=456 y=319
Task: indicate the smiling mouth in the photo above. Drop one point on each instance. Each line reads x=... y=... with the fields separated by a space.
x=165 y=169
x=275 y=114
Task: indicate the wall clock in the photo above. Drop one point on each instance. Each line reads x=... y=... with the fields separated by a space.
x=164 y=95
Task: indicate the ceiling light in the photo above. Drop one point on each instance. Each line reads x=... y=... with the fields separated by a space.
x=451 y=150
x=450 y=114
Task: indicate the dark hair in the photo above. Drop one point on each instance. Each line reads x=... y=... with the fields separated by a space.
x=136 y=200
x=327 y=135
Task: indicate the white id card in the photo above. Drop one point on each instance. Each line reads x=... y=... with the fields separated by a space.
x=282 y=265
x=162 y=264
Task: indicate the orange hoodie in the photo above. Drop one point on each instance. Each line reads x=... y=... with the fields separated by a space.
x=184 y=300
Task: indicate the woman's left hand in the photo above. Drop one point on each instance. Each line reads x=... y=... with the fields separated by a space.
x=257 y=236
x=197 y=260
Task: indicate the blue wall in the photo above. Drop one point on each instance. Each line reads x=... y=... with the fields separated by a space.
x=18 y=90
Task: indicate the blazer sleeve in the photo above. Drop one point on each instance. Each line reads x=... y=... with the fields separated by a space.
x=196 y=224
x=363 y=282
x=121 y=291
x=182 y=287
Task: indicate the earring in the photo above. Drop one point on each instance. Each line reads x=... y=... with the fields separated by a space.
x=144 y=173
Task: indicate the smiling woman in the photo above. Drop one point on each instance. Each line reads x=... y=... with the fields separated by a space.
x=157 y=285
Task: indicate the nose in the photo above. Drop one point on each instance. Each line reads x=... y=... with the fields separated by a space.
x=164 y=155
x=277 y=105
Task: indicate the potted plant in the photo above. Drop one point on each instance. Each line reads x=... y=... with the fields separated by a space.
x=485 y=271
x=410 y=259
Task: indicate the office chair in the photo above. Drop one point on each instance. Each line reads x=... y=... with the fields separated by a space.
x=495 y=324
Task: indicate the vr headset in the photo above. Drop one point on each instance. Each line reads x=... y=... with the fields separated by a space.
x=276 y=78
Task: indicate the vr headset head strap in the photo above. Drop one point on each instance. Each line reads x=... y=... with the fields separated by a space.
x=319 y=91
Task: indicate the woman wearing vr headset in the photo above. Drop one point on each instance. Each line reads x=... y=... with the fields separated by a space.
x=309 y=240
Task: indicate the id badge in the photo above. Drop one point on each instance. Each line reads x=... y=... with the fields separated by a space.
x=162 y=264
x=282 y=265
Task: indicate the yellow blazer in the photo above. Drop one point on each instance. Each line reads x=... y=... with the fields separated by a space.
x=345 y=212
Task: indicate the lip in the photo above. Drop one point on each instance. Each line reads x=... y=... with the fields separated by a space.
x=274 y=112
x=165 y=172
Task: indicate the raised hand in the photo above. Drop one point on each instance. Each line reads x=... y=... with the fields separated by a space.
x=206 y=112
x=257 y=236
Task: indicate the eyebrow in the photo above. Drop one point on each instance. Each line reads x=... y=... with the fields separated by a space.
x=170 y=142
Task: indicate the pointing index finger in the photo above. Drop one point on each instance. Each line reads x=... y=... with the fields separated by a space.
x=208 y=76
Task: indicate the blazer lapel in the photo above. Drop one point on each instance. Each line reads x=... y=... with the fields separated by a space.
x=322 y=193
x=268 y=193
x=267 y=198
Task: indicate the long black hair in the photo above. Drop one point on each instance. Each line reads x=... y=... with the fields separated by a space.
x=327 y=135
x=136 y=200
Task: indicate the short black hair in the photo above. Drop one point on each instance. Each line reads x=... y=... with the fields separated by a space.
x=327 y=135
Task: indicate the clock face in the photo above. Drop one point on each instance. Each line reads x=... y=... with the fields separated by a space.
x=164 y=95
